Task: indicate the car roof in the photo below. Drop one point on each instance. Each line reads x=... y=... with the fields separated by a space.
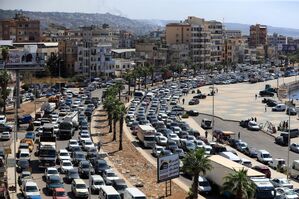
x=54 y=177
x=96 y=177
x=79 y=181
x=30 y=183
x=63 y=150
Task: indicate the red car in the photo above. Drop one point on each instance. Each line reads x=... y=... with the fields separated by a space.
x=59 y=193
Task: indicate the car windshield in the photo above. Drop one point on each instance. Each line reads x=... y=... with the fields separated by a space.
x=81 y=186
x=98 y=183
x=121 y=187
x=72 y=172
x=24 y=155
x=204 y=183
x=52 y=171
x=290 y=192
x=80 y=155
x=84 y=136
x=111 y=174
x=266 y=155
x=284 y=181
x=73 y=142
x=64 y=154
x=114 y=197
x=55 y=181
x=31 y=189
x=60 y=193
x=67 y=164
x=85 y=165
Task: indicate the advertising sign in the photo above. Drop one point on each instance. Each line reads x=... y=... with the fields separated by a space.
x=27 y=55
x=168 y=167
x=287 y=48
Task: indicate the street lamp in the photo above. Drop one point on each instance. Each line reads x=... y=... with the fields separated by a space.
x=289 y=136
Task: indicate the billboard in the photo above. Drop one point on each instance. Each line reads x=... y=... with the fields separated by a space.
x=288 y=48
x=25 y=57
x=168 y=167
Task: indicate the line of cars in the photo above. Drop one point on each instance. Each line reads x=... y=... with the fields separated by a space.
x=79 y=160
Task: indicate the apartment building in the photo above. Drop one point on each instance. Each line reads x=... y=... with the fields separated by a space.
x=68 y=51
x=258 y=35
x=276 y=39
x=217 y=41
x=20 y=29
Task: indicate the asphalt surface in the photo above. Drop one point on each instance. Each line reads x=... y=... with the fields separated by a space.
x=38 y=173
x=256 y=139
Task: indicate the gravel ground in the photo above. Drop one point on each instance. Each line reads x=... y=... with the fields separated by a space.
x=134 y=167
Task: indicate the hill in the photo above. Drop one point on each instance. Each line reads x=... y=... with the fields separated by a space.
x=74 y=20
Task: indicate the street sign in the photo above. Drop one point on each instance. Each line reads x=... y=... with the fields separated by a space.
x=11 y=162
x=168 y=167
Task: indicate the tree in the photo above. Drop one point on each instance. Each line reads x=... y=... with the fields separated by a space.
x=119 y=86
x=4 y=53
x=195 y=163
x=4 y=80
x=109 y=103
x=129 y=77
x=194 y=68
x=144 y=72
x=151 y=70
x=238 y=184
x=121 y=111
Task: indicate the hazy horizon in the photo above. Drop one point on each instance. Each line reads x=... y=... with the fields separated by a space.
x=275 y=13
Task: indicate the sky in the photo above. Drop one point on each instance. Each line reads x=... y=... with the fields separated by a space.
x=279 y=13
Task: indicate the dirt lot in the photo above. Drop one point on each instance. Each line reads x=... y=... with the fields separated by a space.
x=134 y=167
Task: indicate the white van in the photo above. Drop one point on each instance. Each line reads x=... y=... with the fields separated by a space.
x=294 y=169
x=96 y=182
x=133 y=193
x=229 y=155
x=108 y=192
x=279 y=107
x=264 y=156
x=246 y=162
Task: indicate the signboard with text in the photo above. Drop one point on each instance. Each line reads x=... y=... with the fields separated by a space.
x=168 y=167
x=288 y=48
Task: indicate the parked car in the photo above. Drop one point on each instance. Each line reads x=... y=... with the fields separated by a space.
x=263 y=169
x=71 y=175
x=253 y=126
x=79 y=189
x=192 y=113
x=204 y=185
x=59 y=193
x=279 y=108
x=251 y=152
x=206 y=124
x=285 y=193
x=193 y=101
x=294 y=147
x=291 y=111
x=53 y=182
x=281 y=182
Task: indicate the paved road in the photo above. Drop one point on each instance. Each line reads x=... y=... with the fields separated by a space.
x=258 y=140
x=61 y=144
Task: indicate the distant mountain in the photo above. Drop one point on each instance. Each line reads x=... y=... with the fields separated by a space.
x=74 y=20
x=138 y=26
x=235 y=26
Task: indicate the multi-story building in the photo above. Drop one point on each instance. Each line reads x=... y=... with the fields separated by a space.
x=178 y=33
x=232 y=33
x=126 y=39
x=217 y=41
x=258 y=35
x=276 y=39
x=20 y=29
x=68 y=52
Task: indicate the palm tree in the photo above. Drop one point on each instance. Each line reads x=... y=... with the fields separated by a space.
x=151 y=70
x=115 y=118
x=179 y=70
x=164 y=71
x=144 y=72
x=128 y=77
x=194 y=67
x=119 y=86
x=195 y=163
x=238 y=184
x=108 y=105
x=4 y=80
x=121 y=111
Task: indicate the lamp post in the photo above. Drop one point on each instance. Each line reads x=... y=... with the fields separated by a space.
x=289 y=137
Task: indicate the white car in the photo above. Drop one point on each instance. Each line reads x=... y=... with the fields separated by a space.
x=174 y=137
x=253 y=126
x=51 y=171
x=285 y=193
x=161 y=140
x=199 y=143
x=79 y=188
x=84 y=137
x=63 y=154
x=5 y=135
x=109 y=176
x=72 y=143
x=30 y=189
x=66 y=165
x=157 y=150
x=87 y=144
x=2 y=119
x=281 y=182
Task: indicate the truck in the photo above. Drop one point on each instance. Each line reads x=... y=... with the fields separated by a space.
x=47 y=151
x=48 y=131
x=66 y=128
x=74 y=117
x=146 y=135
x=221 y=167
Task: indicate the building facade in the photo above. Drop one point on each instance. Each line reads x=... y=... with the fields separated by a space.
x=258 y=35
x=20 y=29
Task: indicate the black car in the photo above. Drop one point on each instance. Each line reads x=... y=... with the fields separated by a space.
x=192 y=113
x=251 y=152
x=266 y=93
x=71 y=174
x=200 y=96
x=100 y=166
x=85 y=167
x=78 y=157
x=194 y=101
x=23 y=165
x=53 y=182
x=271 y=103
